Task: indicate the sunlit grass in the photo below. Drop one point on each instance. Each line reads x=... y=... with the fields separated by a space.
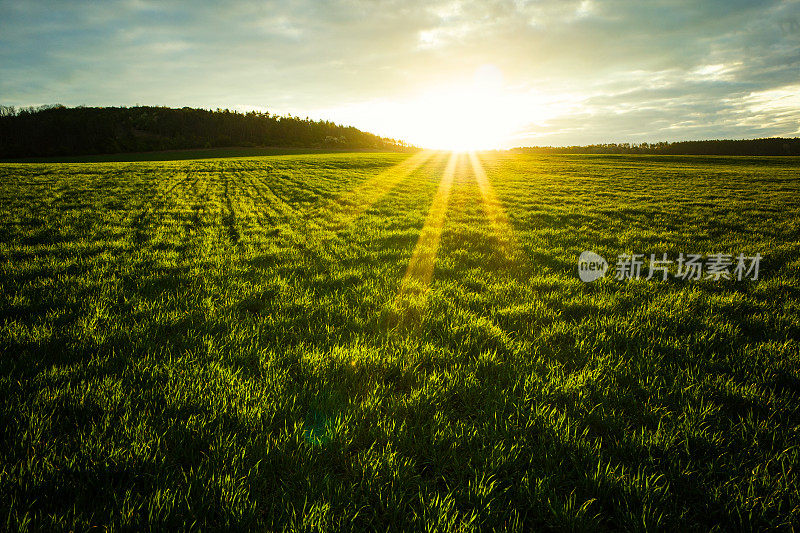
x=363 y=196
x=420 y=267
x=493 y=208
x=216 y=344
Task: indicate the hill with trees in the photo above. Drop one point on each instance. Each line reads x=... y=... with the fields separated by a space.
x=61 y=131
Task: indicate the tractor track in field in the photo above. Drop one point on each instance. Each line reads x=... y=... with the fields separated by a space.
x=269 y=202
x=229 y=219
x=158 y=199
x=291 y=225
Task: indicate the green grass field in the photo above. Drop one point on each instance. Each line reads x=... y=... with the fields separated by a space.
x=395 y=341
x=173 y=155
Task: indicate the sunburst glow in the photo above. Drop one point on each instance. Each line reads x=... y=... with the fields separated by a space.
x=478 y=112
x=475 y=115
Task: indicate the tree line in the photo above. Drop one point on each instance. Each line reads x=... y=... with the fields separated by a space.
x=768 y=146
x=56 y=130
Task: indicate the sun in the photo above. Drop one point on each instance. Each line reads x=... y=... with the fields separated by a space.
x=474 y=115
x=475 y=112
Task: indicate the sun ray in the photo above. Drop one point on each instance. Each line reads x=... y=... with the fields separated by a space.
x=493 y=208
x=340 y=212
x=420 y=267
x=368 y=193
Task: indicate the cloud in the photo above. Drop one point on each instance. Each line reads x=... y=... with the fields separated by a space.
x=633 y=69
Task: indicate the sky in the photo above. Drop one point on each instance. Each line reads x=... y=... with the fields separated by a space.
x=493 y=74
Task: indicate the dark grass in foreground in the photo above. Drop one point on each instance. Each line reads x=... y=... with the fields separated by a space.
x=231 y=343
